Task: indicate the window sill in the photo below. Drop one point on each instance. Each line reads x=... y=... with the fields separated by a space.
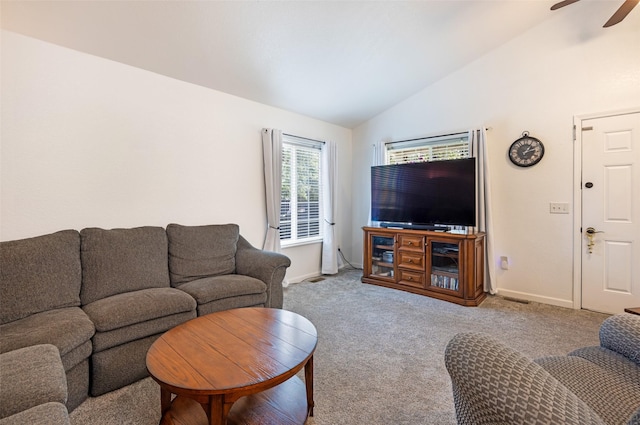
x=301 y=243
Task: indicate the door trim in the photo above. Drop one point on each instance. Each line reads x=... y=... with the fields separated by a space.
x=577 y=197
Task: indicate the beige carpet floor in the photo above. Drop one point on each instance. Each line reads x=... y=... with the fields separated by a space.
x=379 y=358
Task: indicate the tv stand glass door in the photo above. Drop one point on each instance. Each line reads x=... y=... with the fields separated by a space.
x=445 y=272
x=382 y=256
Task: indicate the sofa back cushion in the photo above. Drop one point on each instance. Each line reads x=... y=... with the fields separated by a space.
x=122 y=260
x=196 y=252
x=39 y=274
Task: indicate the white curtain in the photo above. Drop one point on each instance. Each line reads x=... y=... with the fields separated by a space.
x=272 y=154
x=329 y=188
x=478 y=145
x=379 y=152
x=378 y=158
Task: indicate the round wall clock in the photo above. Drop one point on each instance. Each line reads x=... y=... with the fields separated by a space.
x=526 y=151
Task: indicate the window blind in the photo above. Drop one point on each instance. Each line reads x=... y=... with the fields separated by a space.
x=300 y=214
x=428 y=149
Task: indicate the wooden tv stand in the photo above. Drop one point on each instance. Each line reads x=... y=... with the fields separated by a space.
x=443 y=265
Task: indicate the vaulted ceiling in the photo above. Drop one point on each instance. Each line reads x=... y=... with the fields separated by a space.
x=339 y=61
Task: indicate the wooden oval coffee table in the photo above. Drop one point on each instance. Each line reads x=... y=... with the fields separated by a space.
x=236 y=367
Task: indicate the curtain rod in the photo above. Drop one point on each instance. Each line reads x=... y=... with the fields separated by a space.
x=432 y=137
x=304 y=138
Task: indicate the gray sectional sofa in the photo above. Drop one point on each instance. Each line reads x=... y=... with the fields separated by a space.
x=102 y=297
x=493 y=384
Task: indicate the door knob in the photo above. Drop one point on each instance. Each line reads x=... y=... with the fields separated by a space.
x=590 y=242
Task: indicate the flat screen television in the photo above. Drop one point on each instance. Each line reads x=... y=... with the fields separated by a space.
x=424 y=194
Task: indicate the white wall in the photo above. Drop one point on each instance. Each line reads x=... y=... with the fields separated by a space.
x=568 y=65
x=92 y=142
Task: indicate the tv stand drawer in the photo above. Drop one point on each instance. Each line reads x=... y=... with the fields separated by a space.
x=411 y=260
x=411 y=243
x=411 y=278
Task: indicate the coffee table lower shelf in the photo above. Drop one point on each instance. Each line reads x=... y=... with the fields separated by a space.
x=284 y=404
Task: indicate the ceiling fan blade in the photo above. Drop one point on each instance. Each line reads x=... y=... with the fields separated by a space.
x=563 y=4
x=621 y=13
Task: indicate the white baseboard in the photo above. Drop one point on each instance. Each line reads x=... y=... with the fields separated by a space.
x=535 y=298
x=298 y=279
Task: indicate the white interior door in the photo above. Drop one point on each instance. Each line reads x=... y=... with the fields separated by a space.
x=611 y=213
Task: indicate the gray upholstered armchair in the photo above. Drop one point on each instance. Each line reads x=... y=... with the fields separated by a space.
x=493 y=384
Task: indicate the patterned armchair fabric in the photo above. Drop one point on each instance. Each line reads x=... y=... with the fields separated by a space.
x=493 y=384
x=621 y=333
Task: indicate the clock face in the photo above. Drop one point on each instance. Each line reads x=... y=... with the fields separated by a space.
x=526 y=151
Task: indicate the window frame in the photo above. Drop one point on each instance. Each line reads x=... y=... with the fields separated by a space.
x=298 y=143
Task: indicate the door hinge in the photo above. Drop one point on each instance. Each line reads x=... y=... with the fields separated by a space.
x=574 y=132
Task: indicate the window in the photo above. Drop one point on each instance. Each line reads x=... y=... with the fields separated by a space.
x=454 y=146
x=300 y=212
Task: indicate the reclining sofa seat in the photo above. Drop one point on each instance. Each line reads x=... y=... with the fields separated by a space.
x=221 y=270
x=40 y=281
x=127 y=295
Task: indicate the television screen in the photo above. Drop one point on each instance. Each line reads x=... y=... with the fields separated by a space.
x=429 y=193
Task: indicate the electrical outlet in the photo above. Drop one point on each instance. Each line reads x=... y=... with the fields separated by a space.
x=559 y=207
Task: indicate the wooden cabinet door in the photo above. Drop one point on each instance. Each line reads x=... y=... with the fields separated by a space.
x=380 y=256
x=445 y=273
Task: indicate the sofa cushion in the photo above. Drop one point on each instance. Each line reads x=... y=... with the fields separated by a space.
x=126 y=309
x=122 y=336
x=615 y=400
x=220 y=287
x=39 y=274
x=242 y=301
x=122 y=260
x=31 y=376
x=201 y=251
x=611 y=361
x=66 y=328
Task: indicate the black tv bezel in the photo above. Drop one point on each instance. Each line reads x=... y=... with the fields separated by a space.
x=437 y=223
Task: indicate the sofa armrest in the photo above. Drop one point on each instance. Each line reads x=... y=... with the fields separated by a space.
x=269 y=267
x=52 y=413
x=621 y=333
x=29 y=377
x=493 y=384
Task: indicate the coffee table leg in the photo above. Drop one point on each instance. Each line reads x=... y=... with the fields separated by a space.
x=308 y=379
x=216 y=412
x=165 y=400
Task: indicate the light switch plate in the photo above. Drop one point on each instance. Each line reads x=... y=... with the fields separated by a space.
x=559 y=207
